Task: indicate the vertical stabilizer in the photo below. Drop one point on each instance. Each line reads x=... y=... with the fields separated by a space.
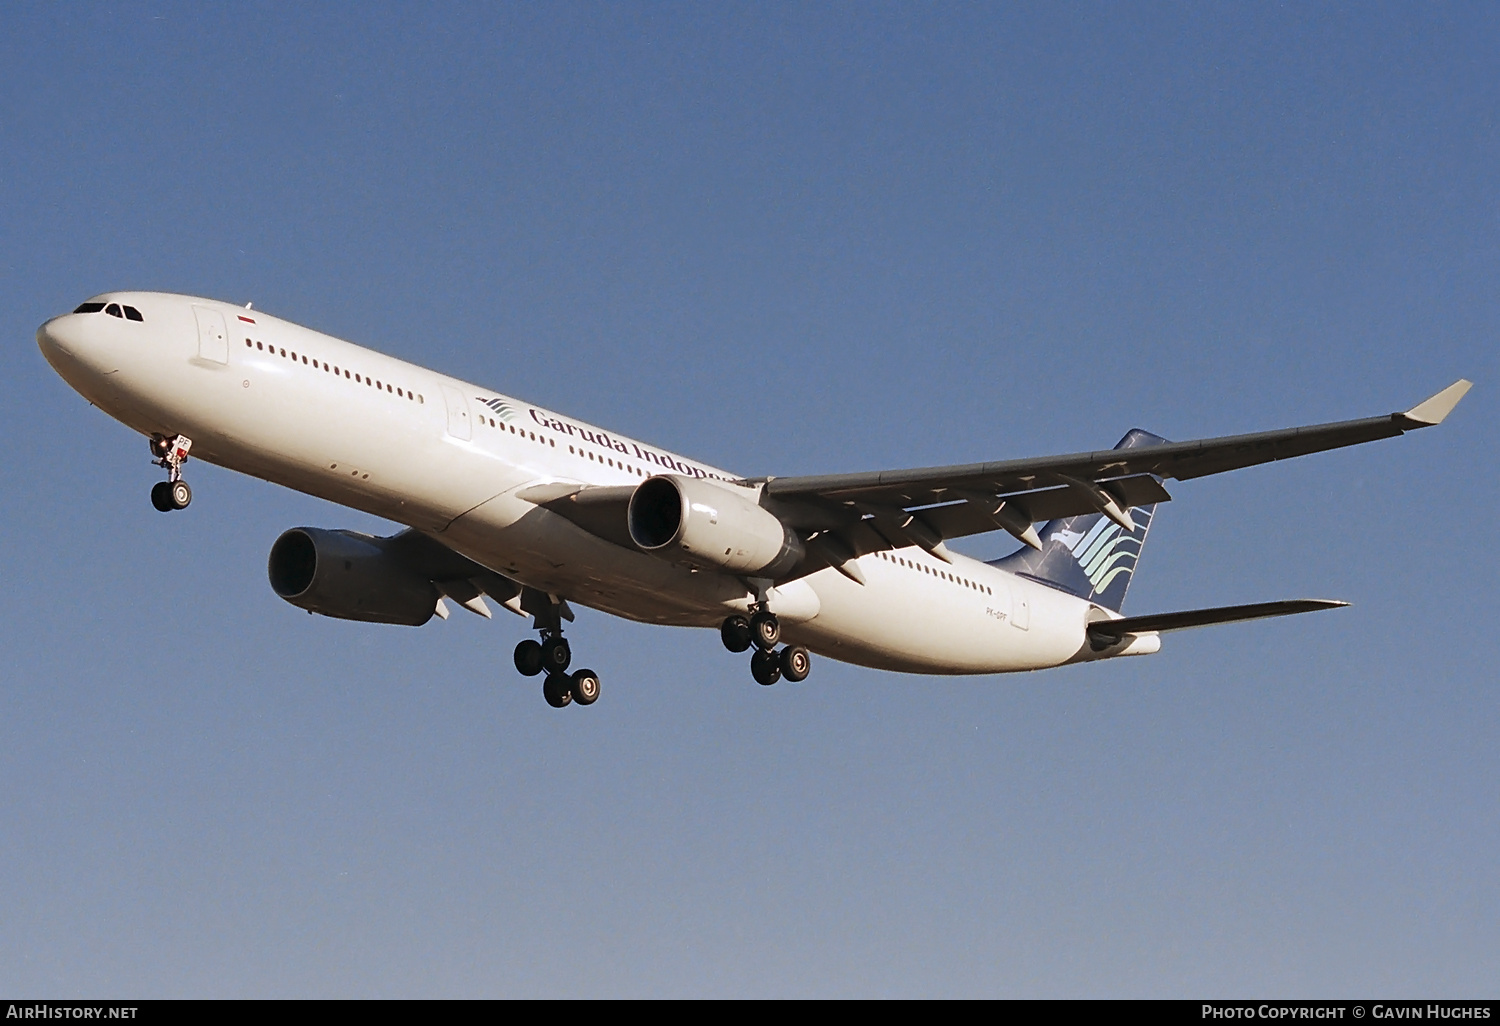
x=1090 y=555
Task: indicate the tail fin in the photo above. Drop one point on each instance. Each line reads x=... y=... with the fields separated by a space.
x=1090 y=556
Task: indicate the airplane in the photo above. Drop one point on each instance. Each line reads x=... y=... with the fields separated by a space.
x=536 y=510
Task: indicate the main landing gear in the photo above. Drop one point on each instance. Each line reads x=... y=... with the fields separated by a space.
x=171 y=454
x=552 y=656
x=763 y=630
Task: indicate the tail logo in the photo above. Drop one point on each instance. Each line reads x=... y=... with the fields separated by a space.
x=1105 y=552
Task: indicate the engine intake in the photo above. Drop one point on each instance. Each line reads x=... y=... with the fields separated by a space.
x=349 y=576
x=692 y=521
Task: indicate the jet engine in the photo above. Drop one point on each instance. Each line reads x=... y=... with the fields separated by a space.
x=350 y=576
x=689 y=520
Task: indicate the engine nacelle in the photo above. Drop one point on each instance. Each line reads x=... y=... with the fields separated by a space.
x=688 y=520
x=349 y=576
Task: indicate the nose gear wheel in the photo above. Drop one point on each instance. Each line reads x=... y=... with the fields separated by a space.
x=170 y=454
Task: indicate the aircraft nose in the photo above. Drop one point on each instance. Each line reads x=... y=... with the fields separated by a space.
x=66 y=343
x=56 y=340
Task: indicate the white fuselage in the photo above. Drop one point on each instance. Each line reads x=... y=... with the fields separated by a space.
x=266 y=397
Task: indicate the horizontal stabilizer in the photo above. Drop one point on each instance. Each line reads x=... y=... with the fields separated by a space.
x=1157 y=622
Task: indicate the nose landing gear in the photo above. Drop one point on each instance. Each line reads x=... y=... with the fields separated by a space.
x=767 y=665
x=171 y=454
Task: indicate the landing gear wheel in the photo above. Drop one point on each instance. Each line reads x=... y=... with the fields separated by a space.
x=529 y=658
x=585 y=687
x=795 y=663
x=556 y=655
x=170 y=454
x=735 y=633
x=765 y=629
x=557 y=689
x=765 y=667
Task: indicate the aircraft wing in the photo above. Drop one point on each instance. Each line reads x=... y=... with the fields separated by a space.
x=844 y=516
x=916 y=506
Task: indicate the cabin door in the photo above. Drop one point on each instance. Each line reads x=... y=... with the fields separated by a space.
x=458 y=412
x=213 y=337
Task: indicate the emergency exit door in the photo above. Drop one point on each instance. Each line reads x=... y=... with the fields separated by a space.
x=213 y=337
x=458 y=412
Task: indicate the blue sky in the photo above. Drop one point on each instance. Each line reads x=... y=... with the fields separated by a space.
x=783 y=239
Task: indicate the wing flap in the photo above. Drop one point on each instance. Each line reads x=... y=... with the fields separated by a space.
x=961 y=519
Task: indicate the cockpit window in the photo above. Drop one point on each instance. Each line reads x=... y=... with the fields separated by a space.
x=89 y=308
x=132 y=314
x=113 y=310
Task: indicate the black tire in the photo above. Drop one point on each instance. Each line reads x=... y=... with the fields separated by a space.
x=557 y=689
x=796 y=663
x=180 y=494
x=161 y=497
x=765 y=667
x=765 y=630
x=529 y=657
x=585 y=687
x=556 y=655
x=735 y=633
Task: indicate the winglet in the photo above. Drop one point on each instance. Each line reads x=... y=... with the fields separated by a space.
x=1433 y=410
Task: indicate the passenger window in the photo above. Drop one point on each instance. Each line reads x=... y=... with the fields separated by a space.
x=132 y=314
x=89 y=308
x=113 y=310
x=260 y=345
